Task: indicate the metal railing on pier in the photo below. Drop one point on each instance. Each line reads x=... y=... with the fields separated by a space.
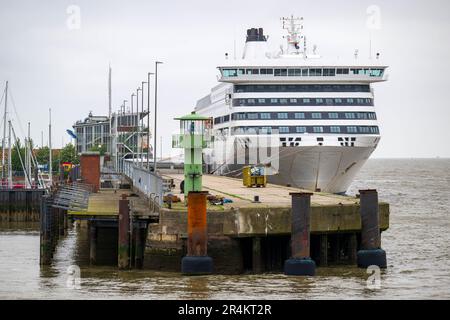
x=148 y=183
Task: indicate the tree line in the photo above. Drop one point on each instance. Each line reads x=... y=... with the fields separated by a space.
x=66 y=154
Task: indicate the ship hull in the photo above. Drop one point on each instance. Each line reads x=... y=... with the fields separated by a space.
x=325 y=168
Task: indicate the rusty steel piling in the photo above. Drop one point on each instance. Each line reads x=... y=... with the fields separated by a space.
x=300 y=263
x=371 y=252
x=196 y=261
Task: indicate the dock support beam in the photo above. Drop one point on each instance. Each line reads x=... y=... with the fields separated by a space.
x=371 y=252
x=300 y=263
x=197 y=261
x=92 y=242
x=124 y=233
x=46 y=247
x=61 y=225
x=352 y=248
x=139 y=247
x=256 y=255
x=323 y=250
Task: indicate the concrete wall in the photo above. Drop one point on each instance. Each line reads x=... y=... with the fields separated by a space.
x=232 y=234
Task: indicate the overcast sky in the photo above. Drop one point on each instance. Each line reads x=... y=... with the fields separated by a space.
x=50 y=62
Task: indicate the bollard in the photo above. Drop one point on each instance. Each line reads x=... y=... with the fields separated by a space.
x=300 y=263
x=124 y=233
x=197 y=262
x=371 y=252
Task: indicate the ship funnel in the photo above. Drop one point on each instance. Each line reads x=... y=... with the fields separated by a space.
x=255 y=44
x=254 y=34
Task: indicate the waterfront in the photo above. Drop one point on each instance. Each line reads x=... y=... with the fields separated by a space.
x=417 y=244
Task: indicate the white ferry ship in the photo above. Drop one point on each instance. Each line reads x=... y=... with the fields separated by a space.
x=322 y=110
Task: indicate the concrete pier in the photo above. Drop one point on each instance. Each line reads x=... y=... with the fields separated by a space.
x=255 y=236
x=239 y=235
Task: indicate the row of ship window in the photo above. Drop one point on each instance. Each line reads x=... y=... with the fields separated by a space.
x=301 y=88
x=302 y=129
x=303 y=102
x=296 y=115
x=302 y=72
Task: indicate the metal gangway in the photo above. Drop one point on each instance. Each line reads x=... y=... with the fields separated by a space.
x=72 y=196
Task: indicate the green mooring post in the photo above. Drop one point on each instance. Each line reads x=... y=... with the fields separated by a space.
x=194 y=136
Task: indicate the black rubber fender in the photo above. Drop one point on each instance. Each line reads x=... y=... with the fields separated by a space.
x=300 y=267
x=373 y=257
x=191 y=265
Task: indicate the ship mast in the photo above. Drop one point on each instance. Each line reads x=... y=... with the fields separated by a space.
x=293 y=26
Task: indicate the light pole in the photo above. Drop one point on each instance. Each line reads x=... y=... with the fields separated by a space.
x=124 y=105
x=148 y=120
x=132 y=96
x=141 y=149
x=121 y=160
x=137 y=120
x=156 y=118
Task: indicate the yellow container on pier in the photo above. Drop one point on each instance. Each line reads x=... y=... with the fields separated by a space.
x=254 y=176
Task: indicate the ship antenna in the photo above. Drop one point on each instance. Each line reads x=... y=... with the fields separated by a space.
x=293 y=26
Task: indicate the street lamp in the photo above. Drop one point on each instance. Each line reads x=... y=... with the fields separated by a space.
x=124 y=105
x=141 y=150
x=148 y=120
x=131 y=119
x=137 y=120
x=124 y=108
x=156 y=118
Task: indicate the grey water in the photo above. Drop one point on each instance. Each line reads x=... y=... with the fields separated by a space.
x=417 y=245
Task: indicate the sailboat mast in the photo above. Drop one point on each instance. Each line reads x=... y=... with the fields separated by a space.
x=110 y=108
x=10 y=185
x=50 y=169
x=4 y=132
x=28 y=157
